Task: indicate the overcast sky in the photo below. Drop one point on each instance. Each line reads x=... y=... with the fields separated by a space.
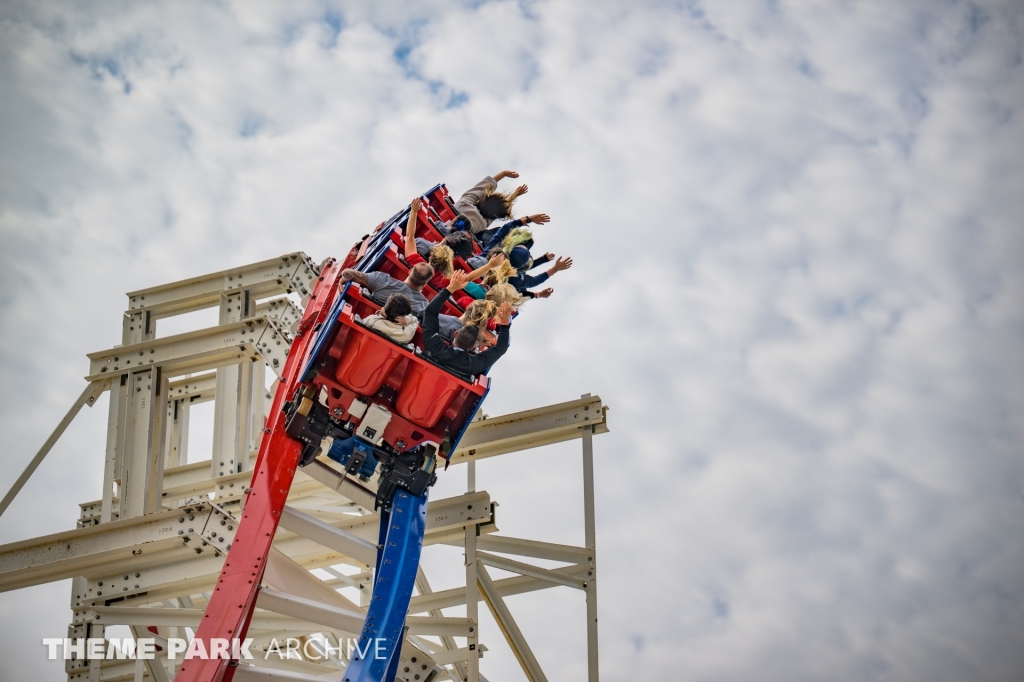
x=799 y=283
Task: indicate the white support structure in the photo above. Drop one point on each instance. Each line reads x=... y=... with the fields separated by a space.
x=147 y=552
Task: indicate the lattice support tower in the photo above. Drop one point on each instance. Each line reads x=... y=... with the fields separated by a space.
x=147 y=553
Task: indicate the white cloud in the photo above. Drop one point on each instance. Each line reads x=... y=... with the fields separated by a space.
x=797 y=238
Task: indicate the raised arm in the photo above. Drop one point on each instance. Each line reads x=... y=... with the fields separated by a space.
x=501 y=175
x=459 y=279
x=560 y=264
x=546 y=258
x=499 y=236
x=486 y=267
x=410 y=227
x=526 y=281
x=432 y=341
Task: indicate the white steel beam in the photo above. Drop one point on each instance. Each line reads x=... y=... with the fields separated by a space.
x=340 y=483
x=153 y=665
x=532 y=571
x=287 y=575
x=196 y=351
x=283 y=275
x=590 y=534
x=65 y=555
x=130 y=542
x=534 y=548
x=88 y=397
x=423 y=587
x=472 y=600
x=280 y=309
x=531 y=428
x=509 y=628
x=252 y=673
x=329 y=536
x=506 y=587
x=231 y=409
x=338 y=619
x=197 y=388
x=116 y=419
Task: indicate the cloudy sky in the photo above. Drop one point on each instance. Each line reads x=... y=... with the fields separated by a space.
x=799 y=283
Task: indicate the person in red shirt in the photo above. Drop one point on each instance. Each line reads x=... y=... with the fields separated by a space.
x=441 y=259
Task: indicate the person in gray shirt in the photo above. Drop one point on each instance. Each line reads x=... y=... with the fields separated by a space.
x=448 y=325
x=381 y=285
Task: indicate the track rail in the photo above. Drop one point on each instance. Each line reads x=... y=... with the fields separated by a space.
x=233 y=600
x=398 y=557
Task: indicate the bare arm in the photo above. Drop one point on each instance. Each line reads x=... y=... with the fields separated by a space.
x=501 y=175
x=560 y=264
x=351 y=275
x=410 y=228
x=458 y=280
x=486 y=267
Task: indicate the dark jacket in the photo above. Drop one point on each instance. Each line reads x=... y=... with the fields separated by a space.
x=459 y=361
x=522 y=282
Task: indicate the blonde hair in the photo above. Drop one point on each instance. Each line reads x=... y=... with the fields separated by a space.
x=499 y=274
x=515 y=238
x=440 y=258
x=479 y=312
x=486 y=338
x=505 y=293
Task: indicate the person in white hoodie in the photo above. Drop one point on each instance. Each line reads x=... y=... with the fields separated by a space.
x=395 y=320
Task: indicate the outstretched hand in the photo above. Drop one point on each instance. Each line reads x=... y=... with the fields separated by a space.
x=500 y=175
x=459 y=279
x=520 y=190
x=415 y=204
x=495 y=260
x=561 y=264
x=544 y=294
x=504 y=313
x=539 y=218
